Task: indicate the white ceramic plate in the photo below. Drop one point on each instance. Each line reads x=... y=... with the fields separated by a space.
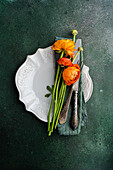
x=33 y=76
x=31 y=80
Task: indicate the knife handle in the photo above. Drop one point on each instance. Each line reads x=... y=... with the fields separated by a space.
x=75 y=112
x=64 y=112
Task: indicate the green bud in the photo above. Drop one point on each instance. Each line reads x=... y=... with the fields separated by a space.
x=74 y=32
x=80 y=49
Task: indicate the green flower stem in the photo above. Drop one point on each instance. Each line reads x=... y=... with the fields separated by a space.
x=58 y=70
x=55 y=107
x=74 y=37
x=57 y=88
x=60 y=94
x=58 y=104
x=60 y=97
x=62 y=101
x=75 y=56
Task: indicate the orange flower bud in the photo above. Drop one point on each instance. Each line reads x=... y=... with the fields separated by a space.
x=71 y=74
x=65 y=62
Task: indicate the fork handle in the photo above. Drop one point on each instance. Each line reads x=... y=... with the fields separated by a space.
x=75 y=112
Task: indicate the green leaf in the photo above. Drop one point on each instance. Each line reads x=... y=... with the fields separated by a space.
x=47 y=95
x=49 y=88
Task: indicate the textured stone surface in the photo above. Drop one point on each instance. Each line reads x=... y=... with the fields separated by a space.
x=26 y=25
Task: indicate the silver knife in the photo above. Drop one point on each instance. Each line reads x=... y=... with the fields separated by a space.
x=74 y=121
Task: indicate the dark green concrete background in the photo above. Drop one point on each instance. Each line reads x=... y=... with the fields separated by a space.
x=26 y=25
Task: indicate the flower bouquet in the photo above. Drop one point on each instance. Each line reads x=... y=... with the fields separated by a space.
x=67 y=74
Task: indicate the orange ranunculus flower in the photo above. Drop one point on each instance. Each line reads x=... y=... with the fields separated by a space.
x=65 y=62
x=65 y=44
x=71 y=74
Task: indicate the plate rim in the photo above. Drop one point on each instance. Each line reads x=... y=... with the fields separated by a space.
x=18 y=88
